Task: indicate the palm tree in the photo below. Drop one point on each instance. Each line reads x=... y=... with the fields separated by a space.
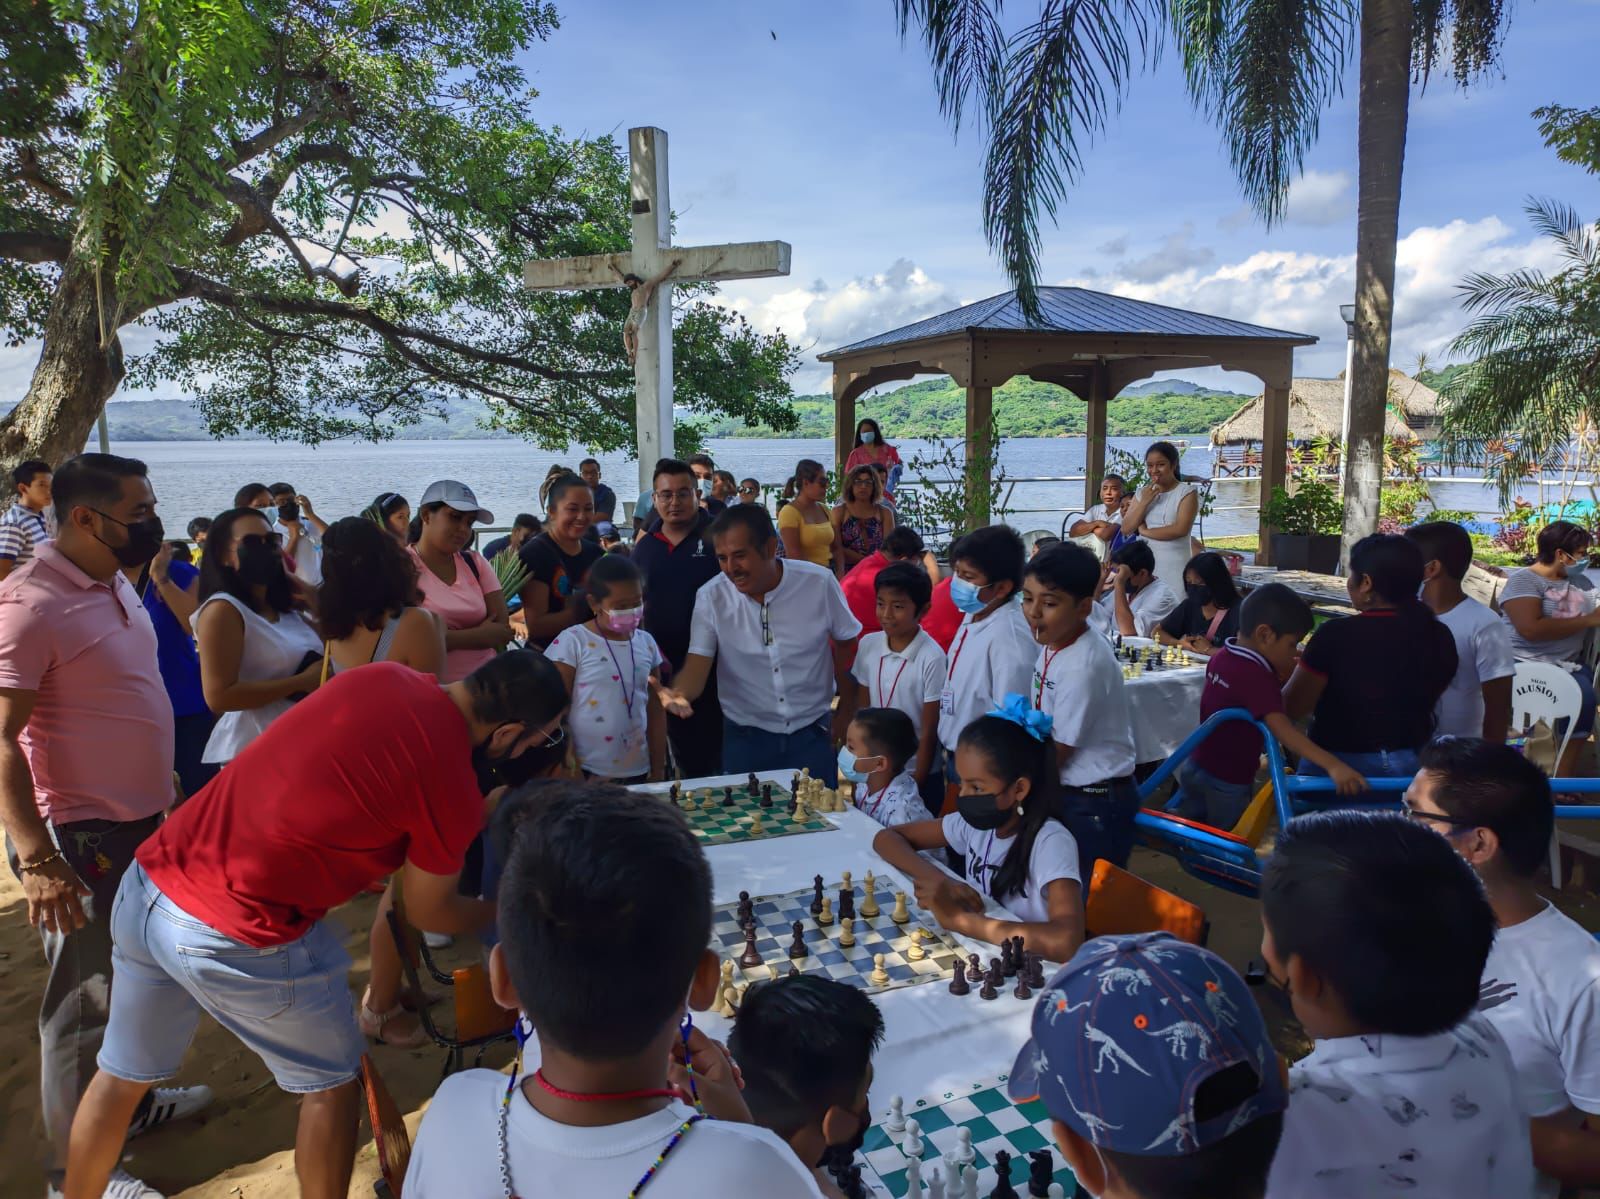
x=1262 y=70
x=1534 y=383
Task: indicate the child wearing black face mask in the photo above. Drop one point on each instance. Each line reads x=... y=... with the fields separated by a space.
x=1017 y=853
x=805 y=1045
x=1209 y=612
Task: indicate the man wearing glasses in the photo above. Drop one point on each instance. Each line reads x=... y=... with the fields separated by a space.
x=781 y=638
x=675 y=555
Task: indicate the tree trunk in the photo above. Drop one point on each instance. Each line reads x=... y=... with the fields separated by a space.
x=73 y=379
x=1385 y=92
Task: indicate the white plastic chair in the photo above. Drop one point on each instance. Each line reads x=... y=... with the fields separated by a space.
x=1547 y=692
x=1089 y=541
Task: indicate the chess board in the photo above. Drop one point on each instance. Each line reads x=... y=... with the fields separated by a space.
x=719 y=825
x=775 y=916
x=995 y=1123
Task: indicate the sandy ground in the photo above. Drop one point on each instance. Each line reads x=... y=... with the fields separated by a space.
x=241 y=1147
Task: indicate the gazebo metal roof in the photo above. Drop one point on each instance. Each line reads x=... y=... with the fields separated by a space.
x=1071 y=310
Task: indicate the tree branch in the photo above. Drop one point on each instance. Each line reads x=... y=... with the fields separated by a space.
x=31 y=172
x=33 y=247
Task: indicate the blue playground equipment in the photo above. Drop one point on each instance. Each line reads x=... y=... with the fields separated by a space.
x=1228 y=859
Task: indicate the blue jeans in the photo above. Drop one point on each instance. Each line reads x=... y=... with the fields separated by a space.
x=1100 y=819
x=746 y=748
x=290 y=1004
x=1585 y=725
x=1204 y=797
x=1376 y=764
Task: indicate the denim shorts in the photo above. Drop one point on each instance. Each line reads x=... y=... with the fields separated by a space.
x=291 y=1004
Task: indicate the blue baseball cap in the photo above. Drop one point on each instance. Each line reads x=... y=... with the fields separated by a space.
x=1126 y=1033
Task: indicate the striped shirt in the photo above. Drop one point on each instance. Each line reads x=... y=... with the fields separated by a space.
x=22 y=530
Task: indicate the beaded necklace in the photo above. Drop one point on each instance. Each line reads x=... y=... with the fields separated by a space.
x=579 y=1097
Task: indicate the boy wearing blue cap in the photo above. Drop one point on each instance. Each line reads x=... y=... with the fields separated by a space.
x=1156 y=1068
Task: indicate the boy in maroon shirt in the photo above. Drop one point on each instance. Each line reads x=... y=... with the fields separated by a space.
x=1217 y=781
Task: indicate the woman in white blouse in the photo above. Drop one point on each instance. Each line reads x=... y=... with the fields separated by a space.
x=257 y=647
x=1164 y=512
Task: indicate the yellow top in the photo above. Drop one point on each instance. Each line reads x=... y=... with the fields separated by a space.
x=816 y=537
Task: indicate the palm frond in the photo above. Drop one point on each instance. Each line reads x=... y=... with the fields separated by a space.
x=510 y=570
x=965 y=46
x=1200 y=29
x=1562 y=224
x=1483 y=292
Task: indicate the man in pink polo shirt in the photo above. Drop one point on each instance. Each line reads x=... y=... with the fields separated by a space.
x=86 y=744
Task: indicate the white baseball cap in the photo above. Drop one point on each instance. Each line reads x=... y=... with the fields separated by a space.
x=456 y=495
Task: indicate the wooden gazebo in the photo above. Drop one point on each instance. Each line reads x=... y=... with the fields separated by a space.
x=1088 y=342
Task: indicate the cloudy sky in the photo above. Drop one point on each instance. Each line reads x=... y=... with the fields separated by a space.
x=809 y=121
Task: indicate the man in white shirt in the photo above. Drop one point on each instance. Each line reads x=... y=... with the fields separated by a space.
x=993 y=651
x=1541 y=985
x=1477 y=703
x=781 y=638
x=1095 y=530
x=1137 y=600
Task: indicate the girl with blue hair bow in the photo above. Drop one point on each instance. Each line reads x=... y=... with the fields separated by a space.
x=1014 y=850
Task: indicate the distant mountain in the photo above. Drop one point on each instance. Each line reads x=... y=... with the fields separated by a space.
x=1177 y=387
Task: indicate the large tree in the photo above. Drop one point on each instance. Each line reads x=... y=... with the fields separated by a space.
x=1263 y=71
x=321 y=206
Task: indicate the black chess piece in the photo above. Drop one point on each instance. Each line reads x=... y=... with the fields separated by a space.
x=987 y=991
x=847 y=903
x=958 y=981
x=1008 y=963
x=753 y=784
x=766 y=795
x=727 y=797
x=672 y=794
x=797 y=947
x=747 y=911
x=1021 y=990
x=1036 y=971
x=794 y=971
x=1041 y=1173
x=1002 y=1177
x=974 y=970
x=816 y=898
x=751 y=955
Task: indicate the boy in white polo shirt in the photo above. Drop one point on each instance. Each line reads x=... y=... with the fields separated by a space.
x=1077 y=681
x=993 y=651
x=902 y=667
x=1378 y=933
x=1541 y=986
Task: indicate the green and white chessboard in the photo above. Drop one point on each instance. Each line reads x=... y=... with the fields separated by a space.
x=994 y=1122
x=730 y=824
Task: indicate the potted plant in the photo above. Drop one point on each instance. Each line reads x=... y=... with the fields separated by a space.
x=1305 y=527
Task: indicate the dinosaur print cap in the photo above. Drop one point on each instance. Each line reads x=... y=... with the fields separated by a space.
x=1126 y=1033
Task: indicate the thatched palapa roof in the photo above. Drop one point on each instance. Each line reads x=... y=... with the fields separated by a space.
x=1316 y=409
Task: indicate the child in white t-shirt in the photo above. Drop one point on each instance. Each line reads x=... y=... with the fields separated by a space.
x=902 y=667
x=596 y=875
x=1378 y=933
x=1077 y=682
x=1015 y=852
x=611 y=668
x=1541 y=985
x=878 y=749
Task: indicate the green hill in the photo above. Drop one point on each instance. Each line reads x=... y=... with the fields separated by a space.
x=1022 y=408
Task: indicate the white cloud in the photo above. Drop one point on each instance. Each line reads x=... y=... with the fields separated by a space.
x=1320 y=198
x=1177 y=252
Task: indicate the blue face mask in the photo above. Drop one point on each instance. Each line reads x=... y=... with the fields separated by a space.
x=847 y=766
x=964 y=596
x=868 y=437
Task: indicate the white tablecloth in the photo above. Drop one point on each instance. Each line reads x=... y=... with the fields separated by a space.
x=1165 y=706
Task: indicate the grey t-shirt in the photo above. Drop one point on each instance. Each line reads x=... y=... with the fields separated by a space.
x=1559 y=598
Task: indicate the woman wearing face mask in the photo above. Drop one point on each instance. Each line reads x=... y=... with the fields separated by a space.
x=457 y=583
x=1549 y=616
x=258 y=650
x=558 y=562
x=803 y=523
x=1209 y=612
x=1016 y=852
x=1163 y=513
x=612 y=671
x=861 y=519
x=871 y=449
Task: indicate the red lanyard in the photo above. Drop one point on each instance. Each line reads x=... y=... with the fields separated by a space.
x=956 y=657
x=887 y=701
x=873 y=810
x=1044 y=671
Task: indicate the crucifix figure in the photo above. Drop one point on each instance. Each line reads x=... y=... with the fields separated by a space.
x=649 y=271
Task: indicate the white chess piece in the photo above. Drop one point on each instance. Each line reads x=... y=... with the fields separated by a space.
x=1057 y=1191
x=969 y=1183
x=936 y=1185
x=896 y=1123
x=912 y=1145
x=914 y=1178
x=964 y=1152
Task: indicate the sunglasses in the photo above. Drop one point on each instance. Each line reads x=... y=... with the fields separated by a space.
x=275 y=540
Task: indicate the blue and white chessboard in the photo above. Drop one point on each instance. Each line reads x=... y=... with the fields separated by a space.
x=995 y=1123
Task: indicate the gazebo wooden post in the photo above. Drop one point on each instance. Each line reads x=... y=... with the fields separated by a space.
x=844 y=419
x=1094 y=451
x=1274 y=444
x=980 y=425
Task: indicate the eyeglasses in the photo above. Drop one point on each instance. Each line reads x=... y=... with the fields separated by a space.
x=554 y=739
x=1422 y=817
x=682 y=496
x=748 y=490
x=766 y=625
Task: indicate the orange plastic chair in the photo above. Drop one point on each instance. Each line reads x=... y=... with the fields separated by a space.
x=1120 y=902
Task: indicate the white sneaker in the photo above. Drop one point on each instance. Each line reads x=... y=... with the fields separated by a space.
x=168 y=1104
x=438 y=940
x=121 y=1185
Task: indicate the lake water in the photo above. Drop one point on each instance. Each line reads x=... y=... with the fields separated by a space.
x=199 y=478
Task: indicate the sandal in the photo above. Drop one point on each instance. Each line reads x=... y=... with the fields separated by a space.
x=373 y=1023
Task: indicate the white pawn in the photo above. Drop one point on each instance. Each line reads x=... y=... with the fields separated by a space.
x=914 y=1178
x=963 y=1151
x=896 y=1123
x=912 y=1145
x=969 y=1183
x=936 y=1185
x=1057 y=1191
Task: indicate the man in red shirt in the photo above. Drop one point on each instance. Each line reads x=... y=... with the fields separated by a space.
x=222 y=910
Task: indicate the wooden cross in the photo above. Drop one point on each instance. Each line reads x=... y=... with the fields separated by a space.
x=652 y=256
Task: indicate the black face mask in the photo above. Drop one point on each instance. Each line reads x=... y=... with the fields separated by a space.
x=982 y=812
x=259 y=563
x=837 y=1158
x=143 y=543
x=1199 y=593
